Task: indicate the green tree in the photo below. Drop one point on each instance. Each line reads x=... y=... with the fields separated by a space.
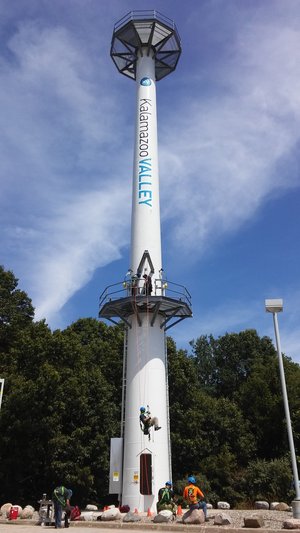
x=201 y=424
x=224 y=364
x=16 y=311
x=61 y=404
x=270 y=480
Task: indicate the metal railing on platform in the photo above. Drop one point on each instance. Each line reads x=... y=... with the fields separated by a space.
x=144 y=15
x=135 y=287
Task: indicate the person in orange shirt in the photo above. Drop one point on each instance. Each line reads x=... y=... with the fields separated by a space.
x=193 y=496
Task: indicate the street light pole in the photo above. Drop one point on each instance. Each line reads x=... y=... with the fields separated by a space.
x=274 y=307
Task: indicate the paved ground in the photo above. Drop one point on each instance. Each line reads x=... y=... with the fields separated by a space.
x=98 y=528
x=10 y=527
x=22 y=528
x=273 y=521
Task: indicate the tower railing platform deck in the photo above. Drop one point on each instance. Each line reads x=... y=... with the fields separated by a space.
x=124 y=299
x=144 y=14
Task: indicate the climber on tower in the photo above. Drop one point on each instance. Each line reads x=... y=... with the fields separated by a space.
x=147 y=421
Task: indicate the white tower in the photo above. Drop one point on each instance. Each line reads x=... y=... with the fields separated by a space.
x=145 y=47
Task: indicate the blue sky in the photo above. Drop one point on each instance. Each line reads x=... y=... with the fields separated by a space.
x=229 y=131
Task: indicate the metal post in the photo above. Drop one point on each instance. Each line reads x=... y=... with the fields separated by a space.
x=287 y=413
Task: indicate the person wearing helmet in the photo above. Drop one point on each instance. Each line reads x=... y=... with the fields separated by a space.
x=166 y=499
x=147 y=289
x=147 y=421
x=61 y=501
x=193 y=496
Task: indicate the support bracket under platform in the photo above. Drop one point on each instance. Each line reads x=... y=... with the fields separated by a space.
x=118 y=301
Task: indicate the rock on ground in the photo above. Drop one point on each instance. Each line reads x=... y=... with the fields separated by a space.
x=111 y=514
x=196 y=516
x=223 y=505
x=222 y=519
x=132 y=517
x=254 y=520
x=292 y=523
x=281 y=506
x=160 y=519
x=261 y=505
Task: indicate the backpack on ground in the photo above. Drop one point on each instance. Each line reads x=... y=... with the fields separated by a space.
x=75 y=513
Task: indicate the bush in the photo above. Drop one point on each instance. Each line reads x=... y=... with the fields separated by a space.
x=269 y=480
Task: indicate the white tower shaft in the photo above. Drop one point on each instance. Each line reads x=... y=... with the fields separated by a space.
x=145 y=224
x=146 y=380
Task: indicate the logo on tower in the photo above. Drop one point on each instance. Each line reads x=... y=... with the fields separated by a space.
x=146 y=82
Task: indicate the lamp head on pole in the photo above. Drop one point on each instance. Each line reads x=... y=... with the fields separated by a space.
x=274 y=306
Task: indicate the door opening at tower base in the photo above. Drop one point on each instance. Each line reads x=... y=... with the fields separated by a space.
x=146 y=474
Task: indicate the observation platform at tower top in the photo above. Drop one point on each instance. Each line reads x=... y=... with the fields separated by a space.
x=126 y=298
x=145 y=32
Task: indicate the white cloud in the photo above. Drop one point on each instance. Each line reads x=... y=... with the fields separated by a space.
x=228 y=160
x=64 y=212
x=79 y=240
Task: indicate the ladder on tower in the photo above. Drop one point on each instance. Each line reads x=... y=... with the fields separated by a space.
x=125 y=351
x=168 y=409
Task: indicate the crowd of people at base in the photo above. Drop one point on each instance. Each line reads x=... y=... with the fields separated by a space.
x=192 y=494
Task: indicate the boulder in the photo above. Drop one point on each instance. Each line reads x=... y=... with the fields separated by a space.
x=132 y=517
x=209 y=506
x=195 y=516
x=273 y=505
x=29 y=507
x=281 y=506
x=167 y=513
x=5 y=507
x=91 y=507
x=160 y=518
x=222 y=519
x=223 y=505
x=291 y=523
x=27 y=513
x=261 y=505
x=35 y=516
x=88 y=516
x=254 y=520
x=111 y=514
